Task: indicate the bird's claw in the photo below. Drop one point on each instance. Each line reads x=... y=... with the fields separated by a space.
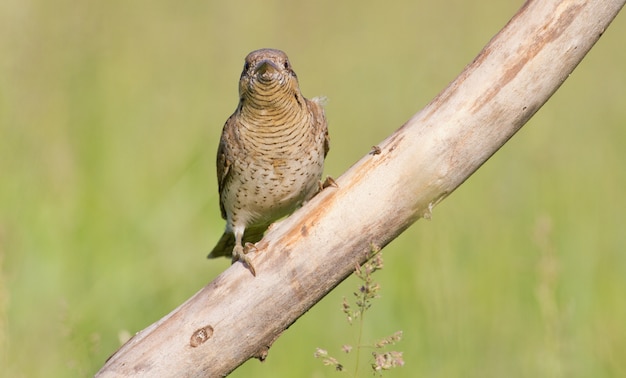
x=240 y=254
x=328 y=182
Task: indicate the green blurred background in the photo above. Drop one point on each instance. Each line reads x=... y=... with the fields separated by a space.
x=110 y=114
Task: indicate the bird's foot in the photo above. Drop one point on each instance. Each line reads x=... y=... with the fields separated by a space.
x=240 y=254
x=328 y=182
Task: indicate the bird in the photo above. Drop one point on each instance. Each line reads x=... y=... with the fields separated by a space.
x=271 y=153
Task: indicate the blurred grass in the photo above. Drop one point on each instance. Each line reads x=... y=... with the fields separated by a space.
x=110 y=113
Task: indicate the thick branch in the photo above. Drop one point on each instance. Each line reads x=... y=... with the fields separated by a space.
x=238 y=316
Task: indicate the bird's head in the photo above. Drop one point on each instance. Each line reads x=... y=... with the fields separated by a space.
x=267 y=71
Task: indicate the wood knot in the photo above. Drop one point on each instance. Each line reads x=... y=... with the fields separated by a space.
x=200 y=336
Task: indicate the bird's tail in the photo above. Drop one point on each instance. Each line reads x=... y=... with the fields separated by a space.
x=226 y=244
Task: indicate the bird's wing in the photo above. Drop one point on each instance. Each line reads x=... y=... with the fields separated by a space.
x=225 y=158
x=316 y=104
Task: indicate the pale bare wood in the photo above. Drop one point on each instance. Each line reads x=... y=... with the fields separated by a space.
x=238 y=316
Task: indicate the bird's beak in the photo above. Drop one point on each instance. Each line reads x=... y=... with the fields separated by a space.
x=265 y=66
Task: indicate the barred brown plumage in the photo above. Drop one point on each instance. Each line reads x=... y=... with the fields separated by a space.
x=271 y=153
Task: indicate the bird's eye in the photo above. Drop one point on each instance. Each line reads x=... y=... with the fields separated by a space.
x=246 y=66
x=286 y=64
